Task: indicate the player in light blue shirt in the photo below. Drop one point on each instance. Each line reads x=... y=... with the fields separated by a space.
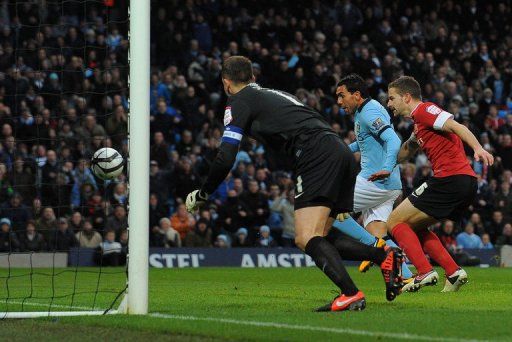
x=378 y=185
x=378 y=143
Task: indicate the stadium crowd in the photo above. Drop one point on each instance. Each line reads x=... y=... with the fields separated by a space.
x=63 y=94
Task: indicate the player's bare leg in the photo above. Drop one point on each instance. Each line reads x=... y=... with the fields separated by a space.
x=377 y=228
x=309 y=236
x=408 y=225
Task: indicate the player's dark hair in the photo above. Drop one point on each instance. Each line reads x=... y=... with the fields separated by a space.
x=237 y=69
x=354 y=83
x=407 y=84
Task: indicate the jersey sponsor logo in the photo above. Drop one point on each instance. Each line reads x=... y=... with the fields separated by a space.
x=433 y=109
x=378 y=124
x=227 y=116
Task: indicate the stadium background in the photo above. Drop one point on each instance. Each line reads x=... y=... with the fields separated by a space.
x=63 y=94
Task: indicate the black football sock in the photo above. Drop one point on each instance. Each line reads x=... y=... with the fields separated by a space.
x=351 y=249
x=328 y=259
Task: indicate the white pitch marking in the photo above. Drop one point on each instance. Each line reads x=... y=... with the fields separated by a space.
x=403 y=336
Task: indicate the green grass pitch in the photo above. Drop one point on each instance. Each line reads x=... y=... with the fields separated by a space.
x=211 y=304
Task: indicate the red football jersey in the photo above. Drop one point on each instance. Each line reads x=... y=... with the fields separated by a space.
x=444 y=150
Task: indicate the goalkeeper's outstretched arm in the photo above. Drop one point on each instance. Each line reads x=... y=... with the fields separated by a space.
x=218 y=171
x=220 y=167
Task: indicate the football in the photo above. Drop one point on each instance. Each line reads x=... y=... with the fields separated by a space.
x=107 y=163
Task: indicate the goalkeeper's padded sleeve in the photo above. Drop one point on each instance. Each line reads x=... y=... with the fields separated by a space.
x=220 y=167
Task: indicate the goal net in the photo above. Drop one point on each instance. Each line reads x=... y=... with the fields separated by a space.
x=64 y=93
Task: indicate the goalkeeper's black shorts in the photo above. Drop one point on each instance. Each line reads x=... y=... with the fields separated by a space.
x=325 y=174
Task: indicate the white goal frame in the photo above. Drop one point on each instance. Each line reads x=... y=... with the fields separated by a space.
x=135 y=300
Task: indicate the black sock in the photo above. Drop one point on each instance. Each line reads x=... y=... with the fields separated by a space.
x=328 y=259
x=351 y=249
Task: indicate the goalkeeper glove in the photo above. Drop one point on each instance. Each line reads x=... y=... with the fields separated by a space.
x=195 y=199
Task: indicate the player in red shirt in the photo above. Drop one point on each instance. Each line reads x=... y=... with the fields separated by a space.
x=445 y=195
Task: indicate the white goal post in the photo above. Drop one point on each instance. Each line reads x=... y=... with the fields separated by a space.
x=136 y=296
x=138 y=130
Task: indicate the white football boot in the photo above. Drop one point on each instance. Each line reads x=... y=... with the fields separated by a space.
x=455 y=281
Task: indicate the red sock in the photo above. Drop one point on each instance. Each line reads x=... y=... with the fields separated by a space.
x=409 y=242
x=435 y=249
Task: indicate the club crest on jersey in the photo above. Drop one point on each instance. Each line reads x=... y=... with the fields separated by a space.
x=227 y=116
x=378 y=124
x=433 y=109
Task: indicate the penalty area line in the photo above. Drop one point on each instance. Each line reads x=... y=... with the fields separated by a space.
x=348 y=331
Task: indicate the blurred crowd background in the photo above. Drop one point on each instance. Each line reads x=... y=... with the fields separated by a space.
x=63 y=95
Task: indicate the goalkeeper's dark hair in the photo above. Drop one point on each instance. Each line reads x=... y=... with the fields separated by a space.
x=407 y=84
x=353 y=83
x=238 y=69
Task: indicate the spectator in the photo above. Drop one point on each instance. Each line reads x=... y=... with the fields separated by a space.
x=16 y=212
x=496 y=225
x=160 y=150
x=159 y=182
x=49 y=174
x=110 y=250
x=486 y=242
x=117 y=127
x=118 y=221
x=479 y=226
x=468 y=239
x=120 y=195
x=275 y=220
x=182 y=221
x=233 y=214
x=31 y=240
x=222 y=241
x=89 y=129
x=82 y=176
x=8 y=240
x=242 y=238
x=506 y=236
x=37 y=209
x=62 y=239
x=166 y=235
x=156 y=212
x=201 y=236
x=284 y=205
x=87 y=237
x=503 y=200
x=265 y=240
x=258 y=204
x=75 y=224
x=47 y=223
x=185 y=179
x=447 y=236
x=23 y=179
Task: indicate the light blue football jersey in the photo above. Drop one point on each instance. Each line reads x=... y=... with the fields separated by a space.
x=371 y=122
